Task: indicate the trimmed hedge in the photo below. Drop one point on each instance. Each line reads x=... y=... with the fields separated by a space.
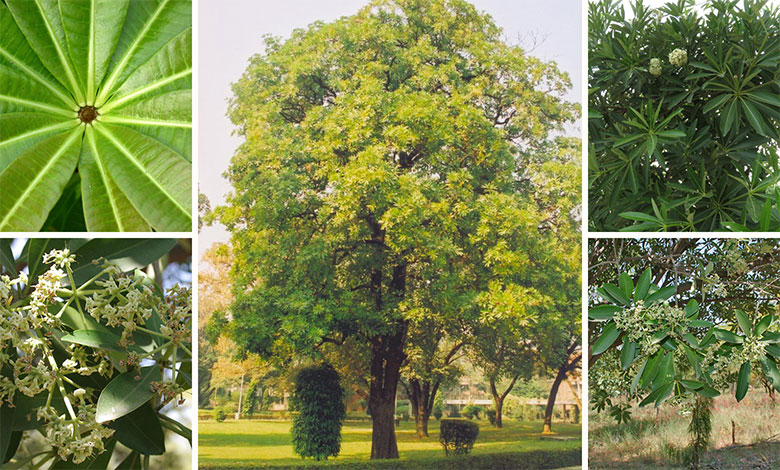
x=533 y=460
x=457 y=436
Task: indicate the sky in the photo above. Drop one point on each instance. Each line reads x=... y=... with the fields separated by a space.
x=231 y=31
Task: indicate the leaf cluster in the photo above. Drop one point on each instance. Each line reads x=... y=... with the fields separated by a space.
x=694 y=147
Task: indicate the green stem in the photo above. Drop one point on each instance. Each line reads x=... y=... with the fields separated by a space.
x=73 y=285
x=154 y=333
x=186 y=349
x=155 y=351
x=176 y=427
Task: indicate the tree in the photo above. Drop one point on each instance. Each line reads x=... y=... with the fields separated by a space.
x=683 y=113
x=430 y=363
x=376 y=149
x=502 y=354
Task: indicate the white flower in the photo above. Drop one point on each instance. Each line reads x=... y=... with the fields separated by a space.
x=655 y=67
x=678 y=57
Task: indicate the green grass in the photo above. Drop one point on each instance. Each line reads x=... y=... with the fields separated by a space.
x=644 y=442
x=267 y=444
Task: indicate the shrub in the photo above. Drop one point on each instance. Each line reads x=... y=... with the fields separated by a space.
x=457 y=436
x=319 y=400
x=437 y=412
x=683 y=113
x=219 y=414
x=491 y=415
x=472 y=411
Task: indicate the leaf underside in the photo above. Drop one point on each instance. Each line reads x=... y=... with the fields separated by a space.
x=130 y=168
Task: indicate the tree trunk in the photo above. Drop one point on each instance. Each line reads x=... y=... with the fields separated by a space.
x=499 y=411
x=422 y=396
x=240 y=397
x=386 y=359
x=498 y=398
x=548 y=413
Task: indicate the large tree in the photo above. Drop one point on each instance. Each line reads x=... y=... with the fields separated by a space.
x=381 y=152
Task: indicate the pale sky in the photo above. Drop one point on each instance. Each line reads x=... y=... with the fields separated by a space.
x=230 y=31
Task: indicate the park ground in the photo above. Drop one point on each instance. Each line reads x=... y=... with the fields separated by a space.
x=653 y=437
x=267 y=444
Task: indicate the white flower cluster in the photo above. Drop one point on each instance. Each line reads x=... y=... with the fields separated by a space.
x=641 y=322
x=655 y=66
x=79 y=438
x=678 y=57
x=123 y=302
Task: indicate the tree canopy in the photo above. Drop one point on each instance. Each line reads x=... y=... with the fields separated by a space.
x=387 y=176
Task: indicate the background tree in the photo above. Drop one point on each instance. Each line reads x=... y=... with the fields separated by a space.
x=214 y=289
x=683 y=112
x=430 y=363
x=381 y=153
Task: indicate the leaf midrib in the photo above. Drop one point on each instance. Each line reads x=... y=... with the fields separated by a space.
x=114 y=209
x=63 y=61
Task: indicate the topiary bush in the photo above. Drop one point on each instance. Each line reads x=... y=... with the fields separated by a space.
x=683 y=112
x=491 y=416
x=437 y=412
x=219 y=414
x=319 y=400
x=457 y=436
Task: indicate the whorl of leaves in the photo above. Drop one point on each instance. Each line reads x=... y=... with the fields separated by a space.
x=692 y=146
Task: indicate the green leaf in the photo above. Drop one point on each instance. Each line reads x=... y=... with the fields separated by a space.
x=771 y=371
x=642 y=285
x=154 y=24
x=603 y=312
x=106 y=208
x=708 y=392
x=693 y=358
x=125 y=393
x=627 y=354
x=41 y=24
x=753 y=117
x=156 y=180
x=744 y=322
x=616 y=293
x=762 y=325
x=7 y=260
x=97 y=339
x=727 y=336
x=105 y=85
x=743 y=381
x=128 y=253
x=651 y=369
x=692 y=384
x=716 y=102
x=764 y=97
x=626 y=285
x=92 y=29
x=141 y=431
x=671 y=134
x=727 y=117
x=131 y=462
x=608 y=336
x=661 y=294
x=692 y=308
x=6 y=432
x=626 y=140
x=33 y=182
x=773 y=349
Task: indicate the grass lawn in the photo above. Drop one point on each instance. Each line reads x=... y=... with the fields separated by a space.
x=267 y=443
x=652 y=439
